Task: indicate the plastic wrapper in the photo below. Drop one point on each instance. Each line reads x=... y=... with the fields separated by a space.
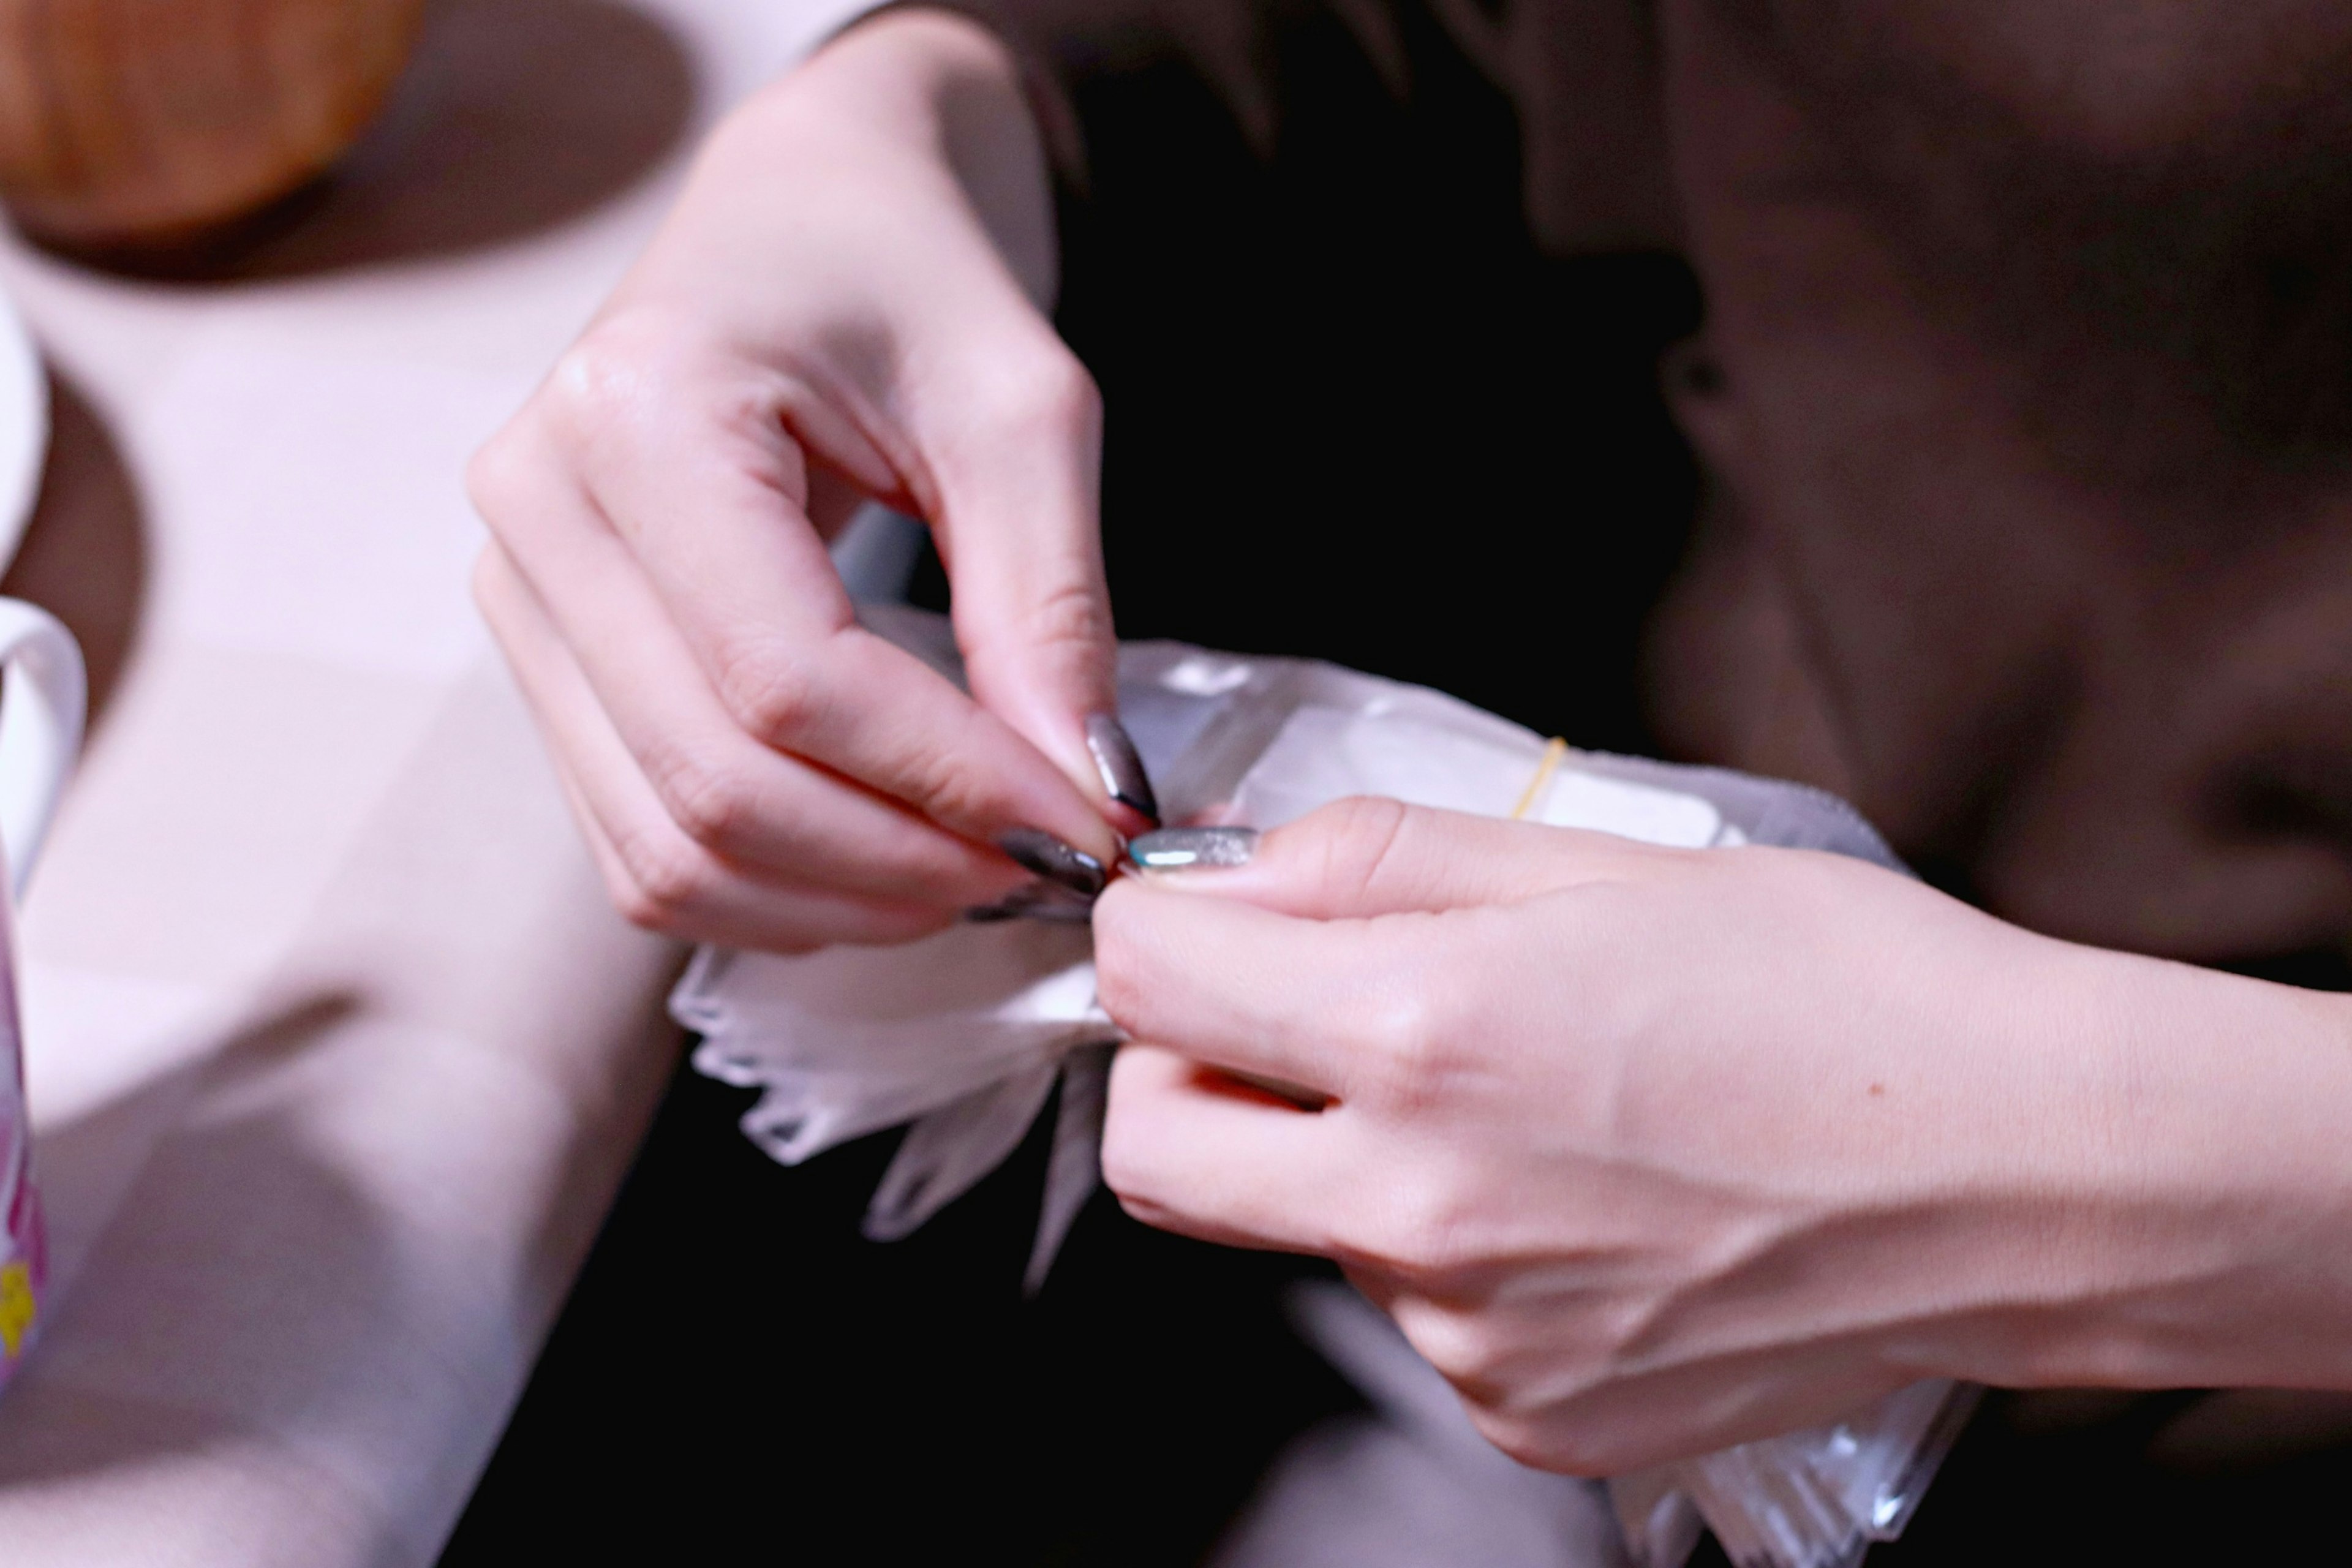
x=1816 y=1499
x=965 y=1033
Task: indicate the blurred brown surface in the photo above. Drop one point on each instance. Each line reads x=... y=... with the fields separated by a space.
x=515 y=116
x=130 y=124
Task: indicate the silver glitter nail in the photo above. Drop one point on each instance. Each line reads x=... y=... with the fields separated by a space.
x=1175 y=849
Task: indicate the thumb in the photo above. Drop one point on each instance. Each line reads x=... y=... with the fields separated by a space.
x=1364 y=857
x=1018 y=530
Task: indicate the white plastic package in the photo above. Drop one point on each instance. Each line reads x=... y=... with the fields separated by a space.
x=964 y=1034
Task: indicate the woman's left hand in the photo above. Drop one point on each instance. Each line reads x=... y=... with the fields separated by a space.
x=1653 y=1150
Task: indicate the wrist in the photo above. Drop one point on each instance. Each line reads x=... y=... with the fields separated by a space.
x=935 y=86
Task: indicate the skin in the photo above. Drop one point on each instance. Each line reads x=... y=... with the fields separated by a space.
x=1651 y=1150
x=1647 y=1151
x=750 y=767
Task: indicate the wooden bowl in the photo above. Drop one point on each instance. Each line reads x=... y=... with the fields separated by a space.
x=140 y=124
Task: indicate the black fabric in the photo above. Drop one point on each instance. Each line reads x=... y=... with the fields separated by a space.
x=740 y=1378
x=1352 y=412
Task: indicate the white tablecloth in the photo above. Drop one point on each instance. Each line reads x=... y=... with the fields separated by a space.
x=336 y=1052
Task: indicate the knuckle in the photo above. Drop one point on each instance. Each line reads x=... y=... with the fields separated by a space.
x=639 y=910
x=1577 y=1447
x=497 y=475
x=1124 y=1170
x=1353 y=839
x=1114 y=988
x=773 y=692
x=1072 y=616
x=1570 y=1447
x=663 y=880
x=1128 y=1167
x=1428 y=1244
x=514 y=480
x=1408 y=1032
x=1143 y=1211
x=591 y=388
x=1119 y=980
x=492 y=583
x=1141 y=1152
x=1394 y=1033
x=1460 y=1347
x=1048 y=392
x=1417 y=1232
x=635 y=907
x=605 y=383
x=605 y=375
x=947 y=783
x=645 y=372
x=713 y=802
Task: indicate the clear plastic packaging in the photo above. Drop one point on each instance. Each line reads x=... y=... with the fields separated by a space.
x=1816 y=1499
x=966 y=1033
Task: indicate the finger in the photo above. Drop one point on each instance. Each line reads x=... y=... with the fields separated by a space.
x=1017 y=469
x=1311 y=1002
x=1365 y=857
x=735 y=796
x=657 y=874
x=690 y=471
x=1213 y=1159
x=718 y=903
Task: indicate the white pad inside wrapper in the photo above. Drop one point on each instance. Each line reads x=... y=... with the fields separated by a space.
x=965 y=1033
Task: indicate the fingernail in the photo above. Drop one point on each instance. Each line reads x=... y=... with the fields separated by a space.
x=1052 y=901
x=1036 y=901
x=1036 y=850
x=1122 y=765
x=1174 y=848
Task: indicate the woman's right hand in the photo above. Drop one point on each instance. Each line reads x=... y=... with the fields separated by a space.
x=848 y=303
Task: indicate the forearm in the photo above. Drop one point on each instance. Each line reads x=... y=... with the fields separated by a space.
x=947 y=89
x=2179 y=1194
x=910 y=111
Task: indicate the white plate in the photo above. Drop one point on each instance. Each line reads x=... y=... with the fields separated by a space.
x=24 y=428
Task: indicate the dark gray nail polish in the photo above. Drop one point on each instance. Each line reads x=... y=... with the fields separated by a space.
x=1122 y=765
x=1052 y=902
x=1036 y=901
x=1174 y=848
x=1035 y=850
